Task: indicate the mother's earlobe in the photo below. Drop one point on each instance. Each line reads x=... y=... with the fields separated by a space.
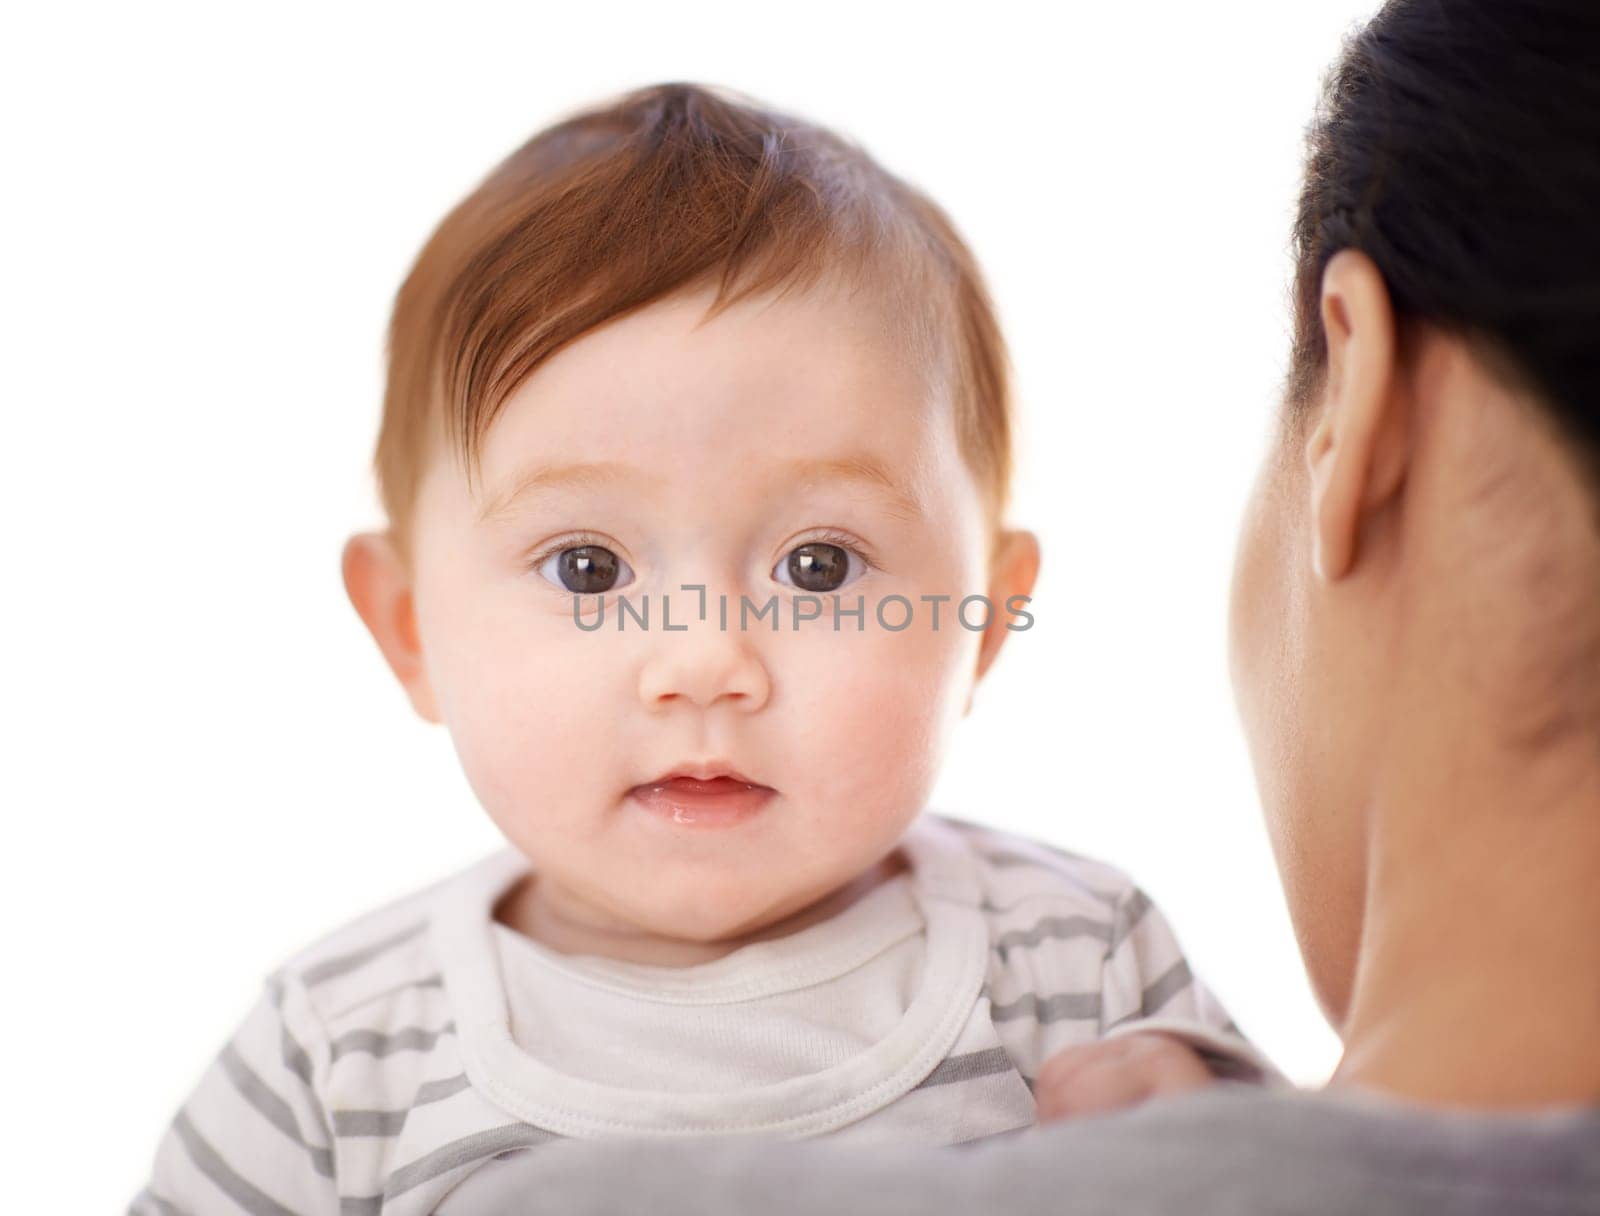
x=1358 y=450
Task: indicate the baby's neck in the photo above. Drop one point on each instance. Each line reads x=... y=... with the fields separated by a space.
x=536 y=910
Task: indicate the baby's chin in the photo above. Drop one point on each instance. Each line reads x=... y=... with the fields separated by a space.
x=720 y=918
x=643 y=876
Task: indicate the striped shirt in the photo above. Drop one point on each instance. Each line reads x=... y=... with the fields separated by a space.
x=399 y=1064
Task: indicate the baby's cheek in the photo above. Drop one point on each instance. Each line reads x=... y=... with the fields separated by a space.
x=531 y=725
x=878 y=724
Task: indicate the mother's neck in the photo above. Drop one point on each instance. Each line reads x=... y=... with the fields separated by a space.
x=1478 y=980
x=1479 y=975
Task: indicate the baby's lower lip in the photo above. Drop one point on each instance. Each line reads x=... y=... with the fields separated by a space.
x=719 y=803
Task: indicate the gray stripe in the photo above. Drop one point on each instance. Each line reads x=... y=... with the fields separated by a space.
x=295 y=1058
x=328 y=968
x=293 y=1055
x=369 y=1122
x=210 y=1163
x=1160 y=990
x=965 y=1067
x=1061 y=1006
x=1006 y=858
x=1053 y=928
x=152 y=1203
x=375 y=1042
x=369 y=1205
x=436 y=1091
x=1127 y=918
x=462 y=1152
x=392 y=1122
x=1173 y=981
x=272 y=1108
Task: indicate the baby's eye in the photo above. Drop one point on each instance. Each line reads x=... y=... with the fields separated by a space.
x=818 y=566
x=586 y=569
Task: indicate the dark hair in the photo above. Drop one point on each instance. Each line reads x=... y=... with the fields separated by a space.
x=1457 y=144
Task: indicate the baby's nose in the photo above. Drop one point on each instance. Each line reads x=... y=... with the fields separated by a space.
x=702 y=666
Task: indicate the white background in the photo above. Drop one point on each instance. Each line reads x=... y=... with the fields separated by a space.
x=208 y=210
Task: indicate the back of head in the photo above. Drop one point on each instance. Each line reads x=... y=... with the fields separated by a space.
x=1411 y=713
x=666 y=188
x=1457 y=144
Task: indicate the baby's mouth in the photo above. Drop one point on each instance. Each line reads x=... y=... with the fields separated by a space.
x=702 y=802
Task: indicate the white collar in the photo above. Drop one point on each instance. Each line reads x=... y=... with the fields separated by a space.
x=945 y=885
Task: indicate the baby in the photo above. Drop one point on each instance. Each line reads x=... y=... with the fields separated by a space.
x=695 y=454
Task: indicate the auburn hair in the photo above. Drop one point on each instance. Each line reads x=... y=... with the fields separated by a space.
x=665 y=188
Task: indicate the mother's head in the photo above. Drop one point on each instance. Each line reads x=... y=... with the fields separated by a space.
x=1416 y=609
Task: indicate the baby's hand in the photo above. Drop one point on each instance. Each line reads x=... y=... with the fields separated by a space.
x=1094 y=1078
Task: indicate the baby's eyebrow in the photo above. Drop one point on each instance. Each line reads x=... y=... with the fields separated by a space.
x=866 y=469
x=863 y=468
x=550 y=476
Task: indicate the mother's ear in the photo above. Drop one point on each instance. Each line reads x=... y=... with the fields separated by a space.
x=379 y=585
x=1359 y=450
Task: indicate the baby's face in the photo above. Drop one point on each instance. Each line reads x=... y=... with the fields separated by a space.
x=651 y=454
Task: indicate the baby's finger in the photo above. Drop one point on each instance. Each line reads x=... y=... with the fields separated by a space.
x=1100 y=1085
x=1174 y=1069
x=1060 y=1068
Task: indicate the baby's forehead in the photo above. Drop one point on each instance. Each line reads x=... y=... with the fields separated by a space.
x=720 y=451
x=814 y=373
x=886 y=472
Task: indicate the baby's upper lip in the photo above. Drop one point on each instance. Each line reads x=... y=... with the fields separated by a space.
x=708 y=771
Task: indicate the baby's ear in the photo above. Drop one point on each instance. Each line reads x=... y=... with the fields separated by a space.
x=1013 y=568
x=379 y=585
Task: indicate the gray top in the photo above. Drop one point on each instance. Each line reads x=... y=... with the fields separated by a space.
x=1231 y=1150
